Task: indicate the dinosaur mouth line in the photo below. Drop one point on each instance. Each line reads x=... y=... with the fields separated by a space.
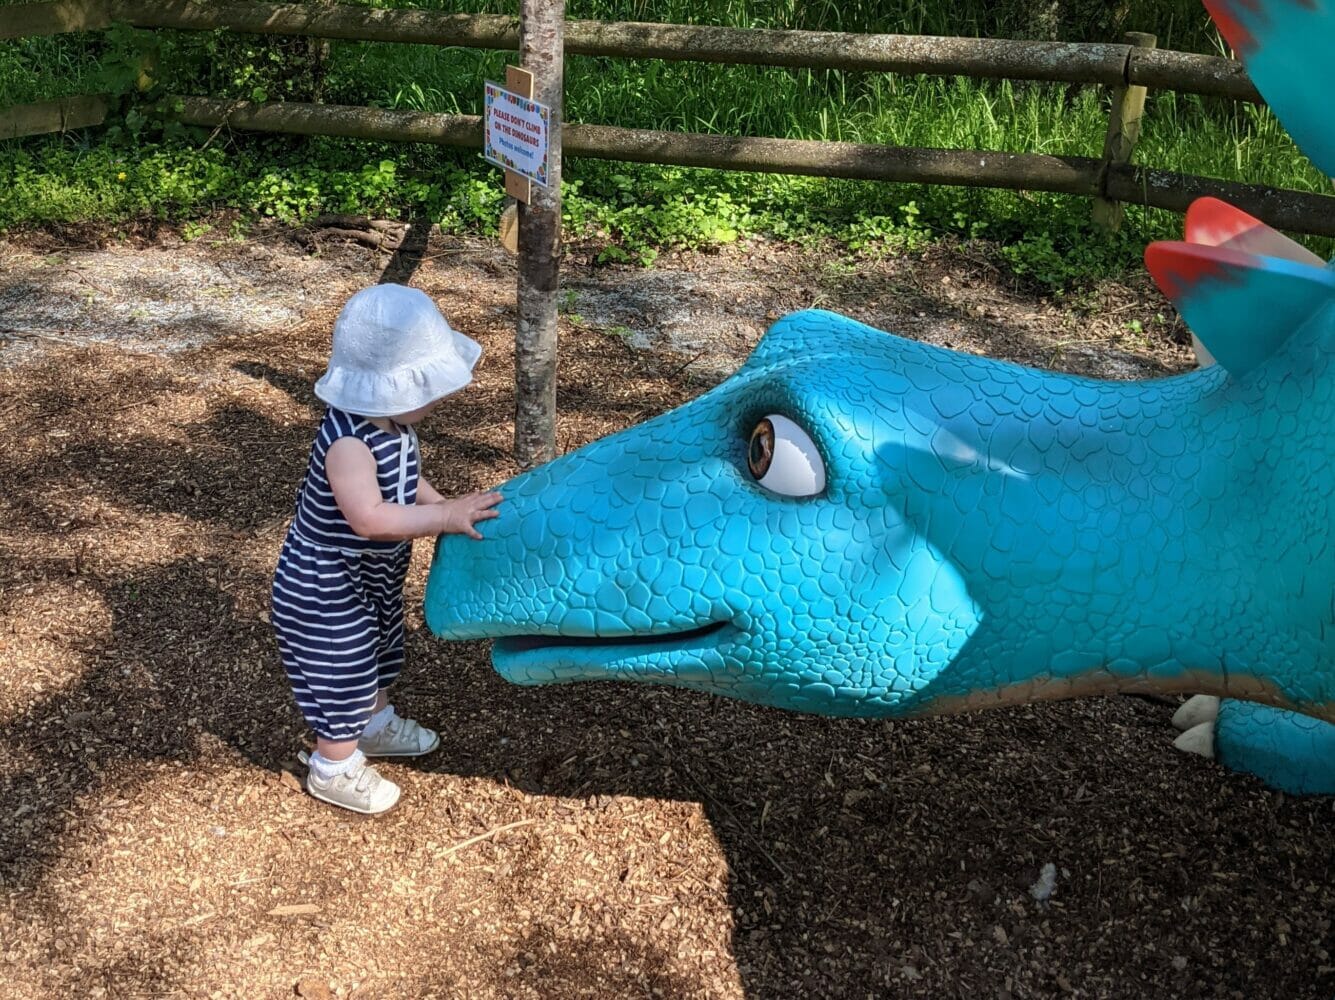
x=514 y=644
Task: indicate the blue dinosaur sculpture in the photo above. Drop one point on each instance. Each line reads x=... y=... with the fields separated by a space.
x=858 y=524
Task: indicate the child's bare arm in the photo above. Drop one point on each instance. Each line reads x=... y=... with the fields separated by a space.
x=351 y=469
x=426 y=493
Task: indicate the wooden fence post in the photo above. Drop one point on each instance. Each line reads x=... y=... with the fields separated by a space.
x=541 y=48
x=1128 y=107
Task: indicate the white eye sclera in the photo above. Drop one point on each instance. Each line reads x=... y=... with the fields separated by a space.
x=783 y=458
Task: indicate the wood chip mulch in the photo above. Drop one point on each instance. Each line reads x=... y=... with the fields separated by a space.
x=588 y=841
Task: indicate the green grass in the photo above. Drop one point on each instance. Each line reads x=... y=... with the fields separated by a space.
x=39 y=69
x=640 y=208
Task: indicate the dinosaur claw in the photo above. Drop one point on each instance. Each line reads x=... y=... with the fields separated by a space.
x=1198 y=740
x=1196 y=710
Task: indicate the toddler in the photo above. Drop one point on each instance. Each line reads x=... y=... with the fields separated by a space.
x=338 y=589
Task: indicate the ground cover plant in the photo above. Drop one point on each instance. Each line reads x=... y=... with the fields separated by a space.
x=139 y=167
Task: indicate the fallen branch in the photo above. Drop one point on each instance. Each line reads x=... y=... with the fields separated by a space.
x=681 y=368
x=13 y=334
x=378 y=234
x=88 y=281
x=293 y=909
x=357 y=222
x=485 y=836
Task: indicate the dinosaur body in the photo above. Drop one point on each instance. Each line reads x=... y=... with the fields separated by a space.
x=858 y=524
x=986 y=534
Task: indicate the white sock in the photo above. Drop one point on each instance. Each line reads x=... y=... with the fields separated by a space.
x=326 y=769
x=379 y=721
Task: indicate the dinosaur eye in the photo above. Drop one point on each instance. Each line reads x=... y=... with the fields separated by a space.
x=783 y=458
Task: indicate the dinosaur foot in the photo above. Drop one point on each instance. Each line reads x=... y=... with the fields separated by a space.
x=1293 y=753
x=1195 y=721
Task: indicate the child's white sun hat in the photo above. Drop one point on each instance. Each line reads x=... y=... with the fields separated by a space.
x=393 y=353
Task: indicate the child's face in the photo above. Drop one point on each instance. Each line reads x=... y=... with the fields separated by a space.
x=415 y=416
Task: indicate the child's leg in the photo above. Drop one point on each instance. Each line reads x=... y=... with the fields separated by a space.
x=381 y=715
x=335 y=750
x=337 y=704
x=329 y=638
x=390 y=660
x=389 y=612
x=389 y=735
x=336 y=699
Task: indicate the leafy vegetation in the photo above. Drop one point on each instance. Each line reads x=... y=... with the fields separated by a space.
x=141 y=166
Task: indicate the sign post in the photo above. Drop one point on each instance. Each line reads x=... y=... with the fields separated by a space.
x=516 y=133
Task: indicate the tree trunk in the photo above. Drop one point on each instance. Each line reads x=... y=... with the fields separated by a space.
x=541 y=52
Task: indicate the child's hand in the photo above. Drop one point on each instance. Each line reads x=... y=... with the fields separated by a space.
x=460 y=514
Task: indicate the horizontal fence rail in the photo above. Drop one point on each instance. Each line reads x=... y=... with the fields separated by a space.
x=1078 y=175
x=32 y=20
x=60 y=115
x=1095 y=64
x=1114 y=65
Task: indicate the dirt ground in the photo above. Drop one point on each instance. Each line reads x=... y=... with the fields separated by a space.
x=590 y=841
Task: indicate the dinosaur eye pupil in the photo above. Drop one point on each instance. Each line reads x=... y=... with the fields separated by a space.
x=784 y=460
x=761 y=452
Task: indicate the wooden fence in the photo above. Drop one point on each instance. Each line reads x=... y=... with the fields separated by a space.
x=1128 y=67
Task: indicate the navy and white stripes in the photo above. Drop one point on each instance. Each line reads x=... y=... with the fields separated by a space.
x=318 y=518
x=338 y=597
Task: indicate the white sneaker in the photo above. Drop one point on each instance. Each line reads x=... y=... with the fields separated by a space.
x=399 y=738
x=361 y=789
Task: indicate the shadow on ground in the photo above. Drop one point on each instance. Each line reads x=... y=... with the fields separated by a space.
x=864 y=858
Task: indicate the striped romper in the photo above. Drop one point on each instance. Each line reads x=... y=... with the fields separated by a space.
x=338 y=597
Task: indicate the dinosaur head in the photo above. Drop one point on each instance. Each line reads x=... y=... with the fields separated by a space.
x=859 y=524
x=758 y=542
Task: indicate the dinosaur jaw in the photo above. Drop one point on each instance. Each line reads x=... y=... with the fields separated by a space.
x=547 y=659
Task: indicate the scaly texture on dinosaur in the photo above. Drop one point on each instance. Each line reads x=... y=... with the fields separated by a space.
x=858 y=524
